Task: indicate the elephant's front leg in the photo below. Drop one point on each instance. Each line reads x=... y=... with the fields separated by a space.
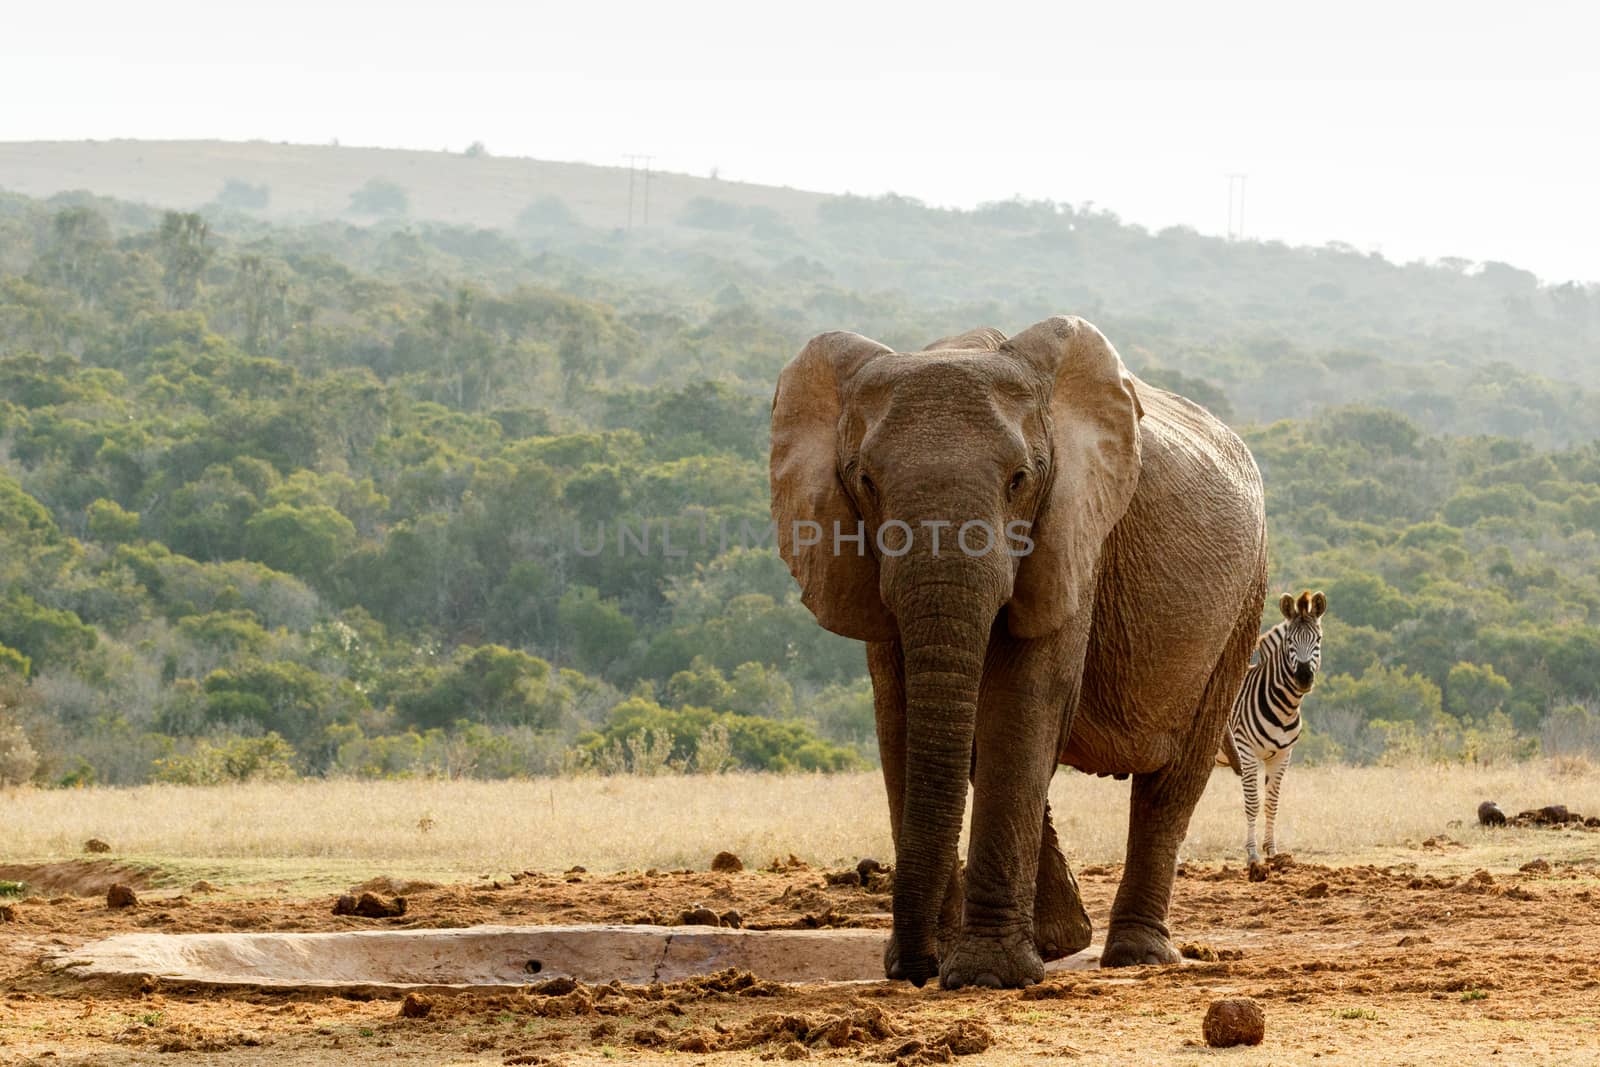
x=886 y=664
x=1018 y=731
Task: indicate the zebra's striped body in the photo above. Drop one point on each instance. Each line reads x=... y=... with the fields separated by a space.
x=1265 y=722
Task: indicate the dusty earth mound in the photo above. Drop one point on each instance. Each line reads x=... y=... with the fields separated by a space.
x=82 y=878
x=1353 y=963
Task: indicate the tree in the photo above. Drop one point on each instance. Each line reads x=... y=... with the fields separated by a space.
x=239 y=195
x=601 y=633
x=1386 y=693
x=1473 y=693
x=548 y=212
x=260 y=298
x=77 y=253
x=379 y=197
x=18 y=760
x=281 y=696
x=109 y=523
x=181 y=246
x=490 y=685
x=308 y=542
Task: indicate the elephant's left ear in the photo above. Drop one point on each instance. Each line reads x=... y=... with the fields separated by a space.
x=1094 y=417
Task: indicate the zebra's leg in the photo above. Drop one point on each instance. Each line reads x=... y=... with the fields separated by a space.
x=1249 y=770
x=1275 y=766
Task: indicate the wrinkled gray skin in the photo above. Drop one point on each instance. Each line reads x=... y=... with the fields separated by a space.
x=1114 y=646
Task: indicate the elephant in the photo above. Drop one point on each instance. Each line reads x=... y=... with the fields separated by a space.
x=1107 y=626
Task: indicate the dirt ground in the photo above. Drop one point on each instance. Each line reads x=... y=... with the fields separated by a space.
x=1425 y=961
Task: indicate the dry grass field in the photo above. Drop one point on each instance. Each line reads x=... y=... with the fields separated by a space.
x=319 y=833
x=1401 y=933
x=315 y=181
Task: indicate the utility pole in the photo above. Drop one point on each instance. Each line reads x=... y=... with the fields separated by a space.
x=1236 y=232
x=647 y=176
x=633 y=165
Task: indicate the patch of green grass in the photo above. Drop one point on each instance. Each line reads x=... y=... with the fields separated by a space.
x=1355 y=1013
x=13 y=889
x=1474 y=994
x=367 y=1031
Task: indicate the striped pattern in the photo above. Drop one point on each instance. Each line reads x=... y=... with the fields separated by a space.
x=1265 y=722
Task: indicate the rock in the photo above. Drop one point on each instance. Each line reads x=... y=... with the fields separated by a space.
x=699 y=915
x=794 y=1050
x=696 y=1041
x=1234 y=1021
x=553 y=987
x=416 y=1006
x=94 y=844
x=202 y=886
x=369 y=906
x=1554 y=814
x=1489 y=814
x=727 y=863
x=868 y=867
x=1537 y=866
x=966 y=1038
x=732 y=918
x=8 y=914
x=121 y=896
x=1315 y=892
x=1194 y=950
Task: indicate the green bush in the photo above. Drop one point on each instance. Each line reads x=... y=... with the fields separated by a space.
x=236 y=759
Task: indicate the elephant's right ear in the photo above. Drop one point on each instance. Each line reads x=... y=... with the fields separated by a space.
x=839 y=586
x=1094 y=413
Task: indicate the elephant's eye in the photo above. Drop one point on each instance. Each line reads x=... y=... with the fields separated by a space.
x=1018 y=480
x=867 y=487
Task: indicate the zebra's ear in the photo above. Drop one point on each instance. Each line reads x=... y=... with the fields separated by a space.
x=1286 y=605
x=1319 y=604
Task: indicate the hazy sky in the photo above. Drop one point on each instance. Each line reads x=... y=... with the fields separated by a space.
x=1421 y=129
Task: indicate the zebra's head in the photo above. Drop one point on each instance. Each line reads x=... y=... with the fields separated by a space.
x=1302 y=636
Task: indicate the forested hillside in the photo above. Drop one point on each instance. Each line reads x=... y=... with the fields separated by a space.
x=323 y=498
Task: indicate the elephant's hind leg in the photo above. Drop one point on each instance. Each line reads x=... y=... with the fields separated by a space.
x=1061 y=926
x=1158 y=818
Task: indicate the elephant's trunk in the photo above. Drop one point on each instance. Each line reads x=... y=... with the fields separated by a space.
x=944 y=629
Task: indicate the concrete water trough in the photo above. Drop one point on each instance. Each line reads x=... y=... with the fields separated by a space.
x=489 y=956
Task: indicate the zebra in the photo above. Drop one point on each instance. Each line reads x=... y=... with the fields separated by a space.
x=1265 y=722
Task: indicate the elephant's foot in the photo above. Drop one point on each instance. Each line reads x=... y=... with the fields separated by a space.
x=1008 y=961
x=913 y=967
x=1061 y=926
x=1136 y=945
x=948 y=930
